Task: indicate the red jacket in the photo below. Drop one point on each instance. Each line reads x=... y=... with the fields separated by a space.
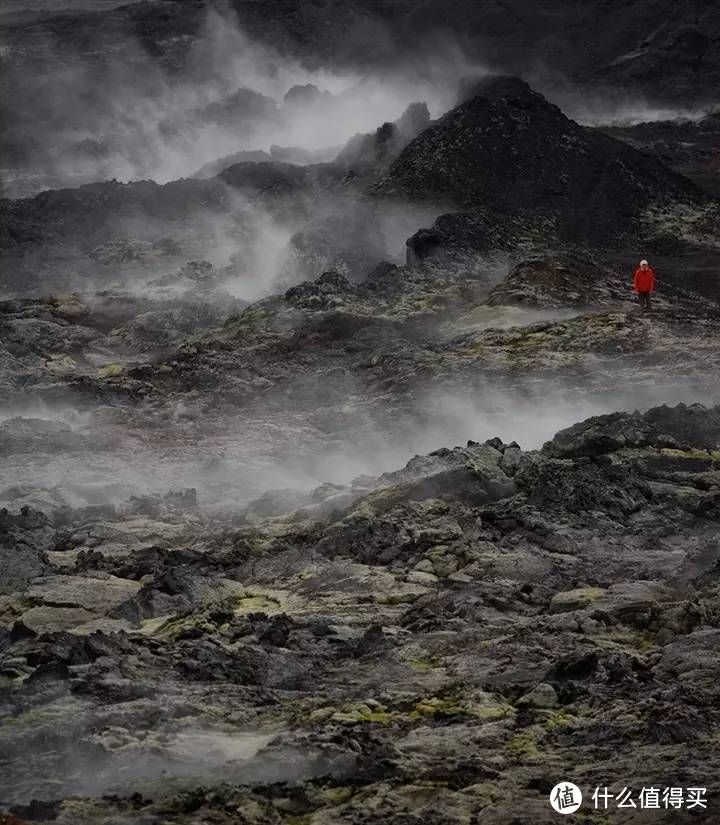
x=645 y=280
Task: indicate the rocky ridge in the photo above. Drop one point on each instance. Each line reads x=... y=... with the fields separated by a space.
x=568 y=185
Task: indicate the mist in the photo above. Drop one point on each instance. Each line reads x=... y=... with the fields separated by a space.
x=129 y=119
x=231 y=467
x=607 y=107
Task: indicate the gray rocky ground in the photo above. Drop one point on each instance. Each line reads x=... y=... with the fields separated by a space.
x=442 y=640
x=355 y=487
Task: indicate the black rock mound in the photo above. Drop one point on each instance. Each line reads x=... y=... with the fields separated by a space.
x=508 y=149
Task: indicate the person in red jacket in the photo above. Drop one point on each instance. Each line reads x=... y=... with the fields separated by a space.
x=644 y=284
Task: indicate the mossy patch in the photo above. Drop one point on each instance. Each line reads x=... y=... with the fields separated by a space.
x=362 y=713
x=407 y=597
x=450 y=706
x=576 y=599
x=559 y=720
x=60 y=364
x=111 y=371
x=422 y=665
x=253 y=320
x=257 y=603
x=701 y=455
x=524 y=744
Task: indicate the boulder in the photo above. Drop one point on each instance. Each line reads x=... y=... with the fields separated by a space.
x=542 y=696
x=95 y=594
x=20 y=564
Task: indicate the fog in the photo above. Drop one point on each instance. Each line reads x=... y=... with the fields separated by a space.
x=607 y=108
x=131 y=118
x=128 y=118
x=232 y=461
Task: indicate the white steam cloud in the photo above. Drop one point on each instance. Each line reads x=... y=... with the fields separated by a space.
x=134 y=120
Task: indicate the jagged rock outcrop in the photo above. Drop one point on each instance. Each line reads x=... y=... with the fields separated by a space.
x=306 y=94
x=237 y=110
x=508 y=150
x=374 y=152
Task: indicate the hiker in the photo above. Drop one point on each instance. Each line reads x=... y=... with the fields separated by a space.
x=644 y=284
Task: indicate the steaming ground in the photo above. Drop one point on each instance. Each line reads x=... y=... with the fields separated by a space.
x=170 y=754
x=341 y=481
x=234 y=95
x=282 y=450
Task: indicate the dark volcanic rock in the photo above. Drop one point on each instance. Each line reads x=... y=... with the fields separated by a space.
x=24 y=539
x=675 y=427
x=690 y=147
x=506 y=148
x=560 y=281
x=376 y=151
x=306 y=95
x=238 y=110
x=215 y=167
x=457 y=233
x=482 y=607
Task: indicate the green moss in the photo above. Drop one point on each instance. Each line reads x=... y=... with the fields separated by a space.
x=60 y=363
x=111 y=371
x=34 y=716
x=336 y=796
x=257 y=603
x=384 y=499
x=354 y=714
x=645 y=644
x=251 y=320
x=304 y=819
x=436 y=706
x=577 y=599
x=524 y=744
x=395 y=598
x=558 y=720
x=702 y=455
x=423 y=665
x=375 y=716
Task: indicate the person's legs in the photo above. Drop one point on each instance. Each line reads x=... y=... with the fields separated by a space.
x=644 y=298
